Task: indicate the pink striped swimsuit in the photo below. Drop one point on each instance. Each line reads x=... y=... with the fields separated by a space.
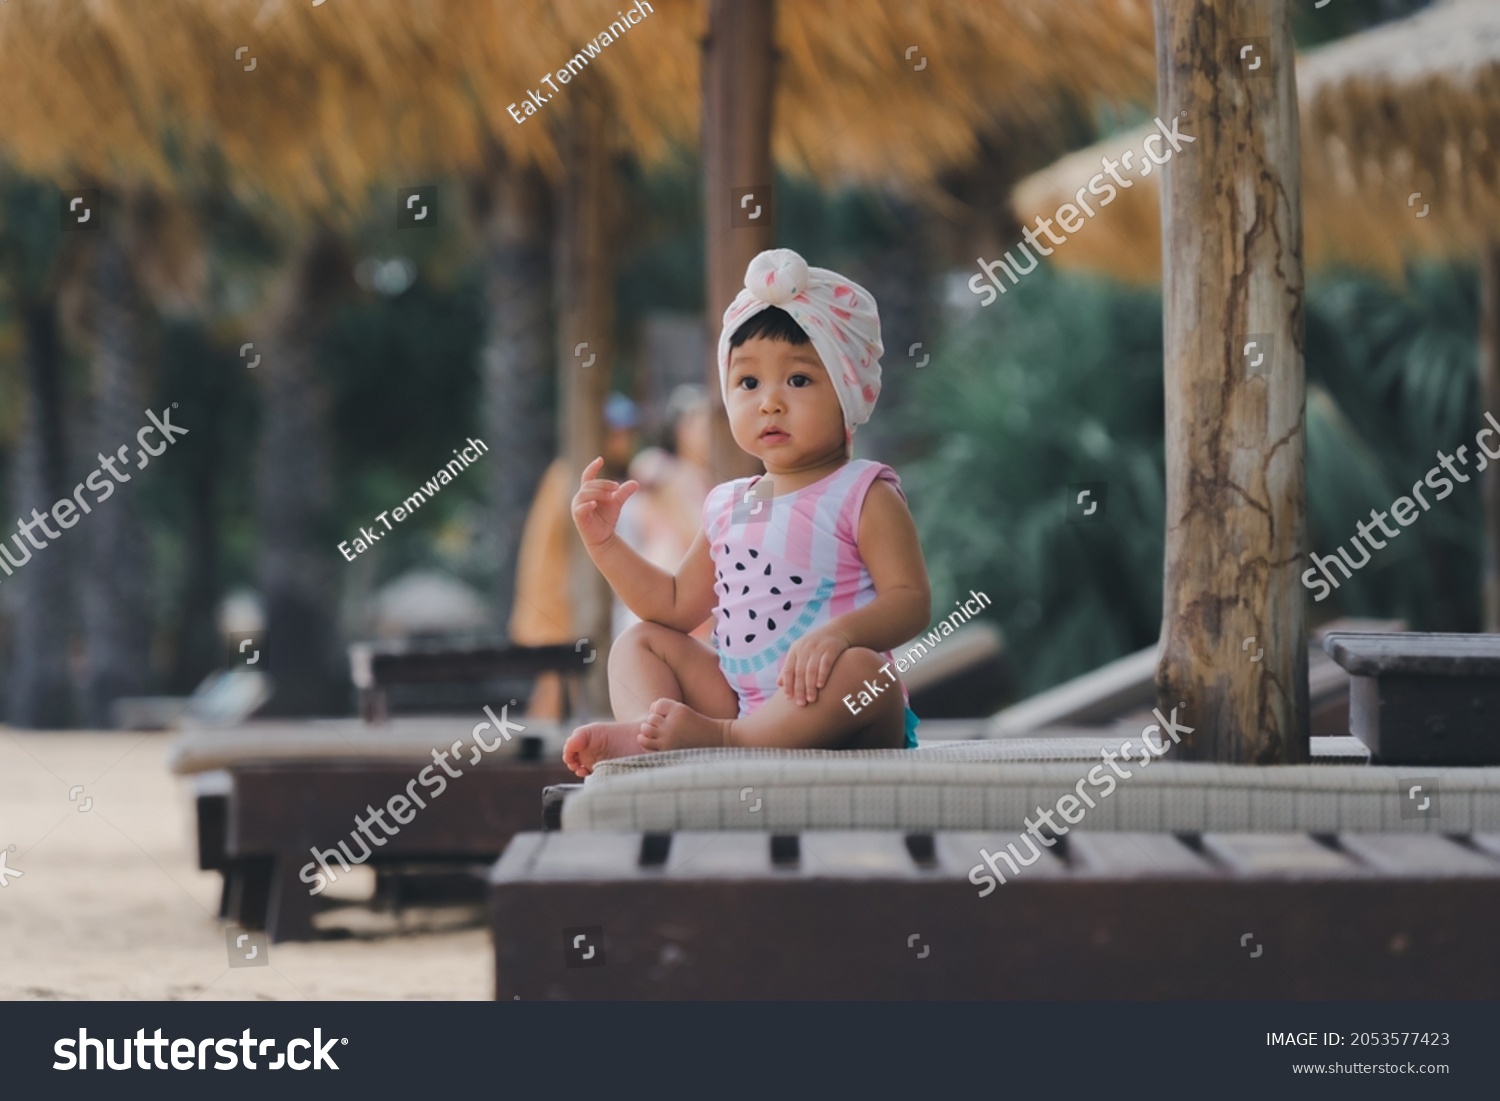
x=785 y=566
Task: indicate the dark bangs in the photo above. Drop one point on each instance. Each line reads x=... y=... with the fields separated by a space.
x=773 y=323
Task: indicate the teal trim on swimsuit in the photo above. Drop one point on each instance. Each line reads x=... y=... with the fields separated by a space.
x=797 y=628
x=911 y=728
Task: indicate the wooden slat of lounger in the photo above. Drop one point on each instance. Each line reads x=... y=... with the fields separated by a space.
x=863 y=854
x=780 y=934
x=1417 y=854
x=712 y=854
x=1134 y=855
x=1278 y=854
x=587 y=855
x=958 y=851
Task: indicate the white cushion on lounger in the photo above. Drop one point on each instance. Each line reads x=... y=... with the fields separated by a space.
x=918 y=792
x=334 y=741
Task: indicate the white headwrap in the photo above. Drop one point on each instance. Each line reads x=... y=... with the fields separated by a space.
x=838 y=315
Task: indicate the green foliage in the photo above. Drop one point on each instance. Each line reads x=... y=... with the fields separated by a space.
x=407 y=392
x=1057 y=382
x=1060 y=381
x=1392 y=380
x=1313 y=26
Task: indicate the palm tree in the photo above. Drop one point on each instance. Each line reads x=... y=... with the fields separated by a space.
x=34 y=264
x=294 y=485
x=512 y=205
x=116 y=608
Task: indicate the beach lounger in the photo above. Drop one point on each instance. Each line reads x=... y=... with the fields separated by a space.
x=375 y=667
x=1418 y=699
x=775 y=873
x=268 y=793
x=892 y=914
x=689 y=891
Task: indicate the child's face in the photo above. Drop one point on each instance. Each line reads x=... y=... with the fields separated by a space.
x=782 y=407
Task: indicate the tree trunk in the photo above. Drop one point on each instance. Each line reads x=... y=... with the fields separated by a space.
x=38 y=591
x=585 y=298
x=513 y=206
x=116 y=586
x=1489 y=402
x=738 y=88
x=299 y=558
x=1232 y=275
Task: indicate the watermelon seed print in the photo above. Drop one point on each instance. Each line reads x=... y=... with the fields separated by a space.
x=785 y=635
x=754 y=553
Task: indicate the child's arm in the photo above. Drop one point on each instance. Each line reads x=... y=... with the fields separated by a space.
x=888 y=544
x=680 y=602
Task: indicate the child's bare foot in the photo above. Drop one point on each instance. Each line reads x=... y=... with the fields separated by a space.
x=595 y=742
x=673 y=725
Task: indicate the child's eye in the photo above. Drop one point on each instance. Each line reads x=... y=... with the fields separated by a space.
x=748 y=383
x=799 y=381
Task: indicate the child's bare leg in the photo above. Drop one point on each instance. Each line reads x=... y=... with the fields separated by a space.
x=826 y=723
x=646 y=663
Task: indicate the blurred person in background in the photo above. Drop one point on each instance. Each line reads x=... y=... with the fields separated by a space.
x=543 y=614
x=674 y=482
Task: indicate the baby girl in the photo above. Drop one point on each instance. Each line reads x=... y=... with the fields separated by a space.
x=812 y=572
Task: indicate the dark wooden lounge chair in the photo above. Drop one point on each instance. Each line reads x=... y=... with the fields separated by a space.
x=1423 y=699
x=774 y=874
x=882 y=914
x=376 y=666
x=267 y=794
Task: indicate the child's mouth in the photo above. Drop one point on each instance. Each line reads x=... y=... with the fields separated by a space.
x=774 y=435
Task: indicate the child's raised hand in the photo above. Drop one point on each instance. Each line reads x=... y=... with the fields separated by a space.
x=596 y=505
x=808 y=663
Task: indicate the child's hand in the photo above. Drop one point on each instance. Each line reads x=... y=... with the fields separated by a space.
x=808 y=663
x=596 y=505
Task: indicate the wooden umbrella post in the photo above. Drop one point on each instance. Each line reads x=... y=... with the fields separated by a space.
x=1489 y=402
x=1233 y=658
x=738 y=214
x=585 y=355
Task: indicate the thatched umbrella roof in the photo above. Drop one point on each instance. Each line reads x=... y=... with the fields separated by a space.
x=339 y=97
x=344 y=96
x=1409 y=107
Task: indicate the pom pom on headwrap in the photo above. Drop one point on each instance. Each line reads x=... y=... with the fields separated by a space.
x=776 y=275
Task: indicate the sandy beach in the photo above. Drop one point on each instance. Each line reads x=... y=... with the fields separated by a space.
x=110 y=903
